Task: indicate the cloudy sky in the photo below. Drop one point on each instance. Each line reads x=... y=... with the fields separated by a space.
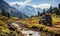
x=34 y=3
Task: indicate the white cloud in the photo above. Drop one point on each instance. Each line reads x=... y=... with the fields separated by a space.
x=27 y=2
x=46 y=5
x=20 y=3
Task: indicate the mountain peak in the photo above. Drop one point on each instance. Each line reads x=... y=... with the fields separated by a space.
x=16 y=5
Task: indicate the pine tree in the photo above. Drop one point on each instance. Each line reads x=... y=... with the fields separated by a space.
x=38 y=13
x=3 y=12
x=59 y=6
x=50 y=10
x=57 y=12
x=43 y=11
x=8 y=15
x=41 y=14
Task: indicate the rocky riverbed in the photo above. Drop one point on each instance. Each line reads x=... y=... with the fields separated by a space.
x=28 y=32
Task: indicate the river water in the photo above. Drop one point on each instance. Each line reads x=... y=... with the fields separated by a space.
x=30 y=33
x=26 y=32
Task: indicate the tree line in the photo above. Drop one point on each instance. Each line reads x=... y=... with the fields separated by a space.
x=51 y=10
x=5 y=13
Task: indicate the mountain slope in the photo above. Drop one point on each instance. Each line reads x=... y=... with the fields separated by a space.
x=28 y=10
x=11 y=10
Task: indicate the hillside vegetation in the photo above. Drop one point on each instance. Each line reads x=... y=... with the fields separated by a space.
x=4 y=28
